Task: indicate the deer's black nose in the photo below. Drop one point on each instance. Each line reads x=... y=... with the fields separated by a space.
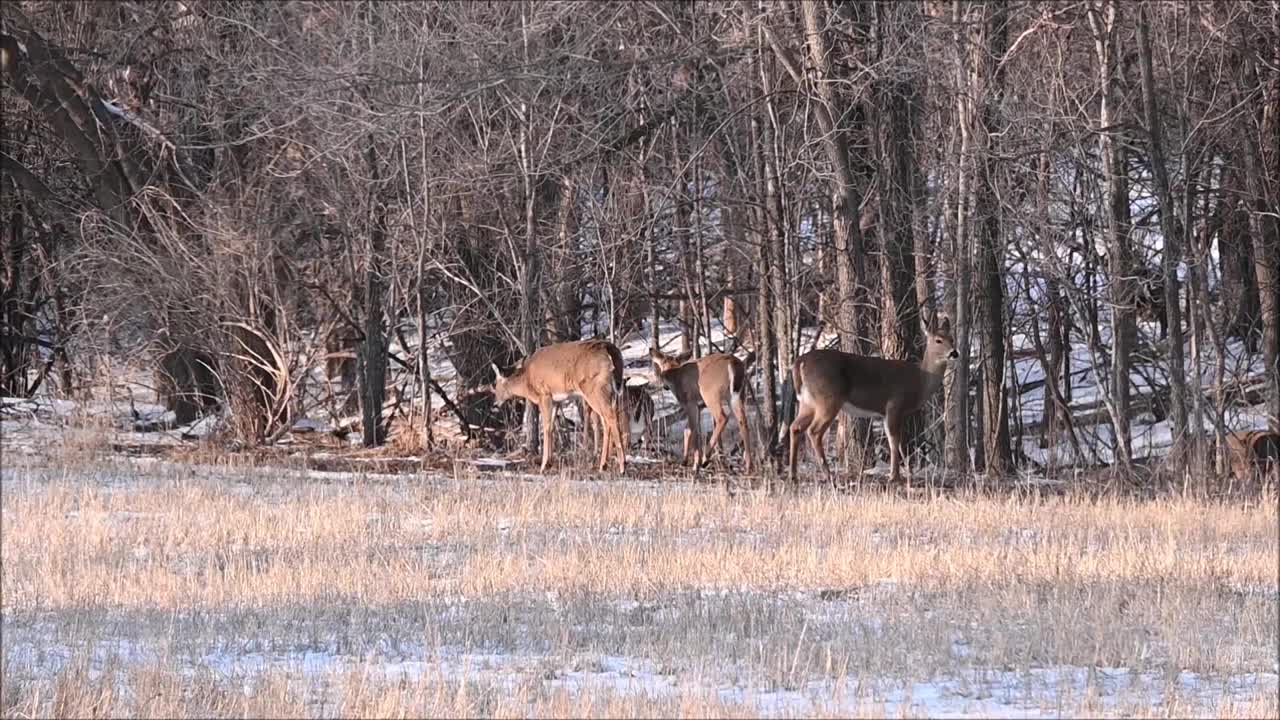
x=954 y=354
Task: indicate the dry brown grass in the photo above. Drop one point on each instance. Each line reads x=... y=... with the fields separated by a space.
x=131 y=588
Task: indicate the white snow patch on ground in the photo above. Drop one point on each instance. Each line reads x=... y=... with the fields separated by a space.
x=983 y=692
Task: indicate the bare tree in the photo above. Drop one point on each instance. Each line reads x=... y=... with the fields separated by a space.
x=1104 y=20
x=1171 y=234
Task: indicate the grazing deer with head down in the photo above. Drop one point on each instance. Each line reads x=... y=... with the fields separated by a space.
x=828 y=381
x=589 y=369
x=1253 y=450
x=639 y=411
x=714 y=381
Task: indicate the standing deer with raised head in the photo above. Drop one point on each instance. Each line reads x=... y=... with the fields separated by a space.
x=589 y=369
x=714 y=381
x=828 y=381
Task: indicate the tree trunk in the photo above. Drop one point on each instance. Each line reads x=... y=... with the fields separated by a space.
x=1240 y=301
x=700 y=256
x=851 y=315
x=958 y=293
x=529 y=295
x=1105 y=20
x=373 y=348
x=846 y=196
x=770 y=242
x=774 y=306
x=988 y=83
x=1173 y=239
x=898 y=129
x=1262 y=171
x=563 y=305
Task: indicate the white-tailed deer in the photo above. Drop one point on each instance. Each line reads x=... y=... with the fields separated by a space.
x=714 y=381
x=828 y=381
x=639 y=411
x=636 y=413
x=589 y=369
x=1253 y=451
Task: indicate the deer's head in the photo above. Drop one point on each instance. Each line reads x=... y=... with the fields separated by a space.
x=940 y=346
x=503 y=389
x=663 y=362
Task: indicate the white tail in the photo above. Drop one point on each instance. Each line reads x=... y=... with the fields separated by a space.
x=714 y=381
x=828 y=381
x=589 y=369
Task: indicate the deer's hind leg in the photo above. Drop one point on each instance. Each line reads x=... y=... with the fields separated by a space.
x=721 y=419
x=603 y=405
x=740 y=412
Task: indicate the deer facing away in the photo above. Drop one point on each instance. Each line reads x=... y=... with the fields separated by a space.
x=828 y=381
x=589 y=369
x=714 y=381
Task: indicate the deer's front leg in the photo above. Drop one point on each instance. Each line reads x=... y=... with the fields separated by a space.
x=545 y=409
x=799 y=426
x=894 y=424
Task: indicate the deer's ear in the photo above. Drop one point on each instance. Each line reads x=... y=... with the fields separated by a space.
x=653 y=352
x=497 y=371
x=684 y=356
x=944 y=326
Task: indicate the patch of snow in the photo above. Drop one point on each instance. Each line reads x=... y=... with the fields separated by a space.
x=309 y=425
x=202 y=427
x=487 y=463
x=46 y=406
x=114 y=109
x=981 y=691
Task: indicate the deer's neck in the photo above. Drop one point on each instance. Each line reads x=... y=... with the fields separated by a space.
x=519 y=387
x=681 y=380
x=932 y=369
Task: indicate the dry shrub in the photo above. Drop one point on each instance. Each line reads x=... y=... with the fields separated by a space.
x=406 y=436
x=257 y=380
x=85 y=439
x=237 y=364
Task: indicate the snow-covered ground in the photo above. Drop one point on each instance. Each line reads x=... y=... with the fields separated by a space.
x=1035 y=692
x=657 y=596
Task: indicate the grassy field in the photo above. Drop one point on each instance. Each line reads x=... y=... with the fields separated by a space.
x=157 y=588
